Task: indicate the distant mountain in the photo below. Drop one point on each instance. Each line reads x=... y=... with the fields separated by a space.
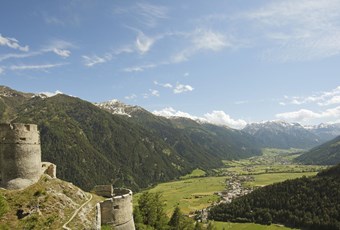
x=281 y=134
x=125 y=145
x=325 y=154
x=326 y=132
x=198 y=143
x=306 y=203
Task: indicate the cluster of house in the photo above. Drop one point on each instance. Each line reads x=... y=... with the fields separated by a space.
x=235 y=188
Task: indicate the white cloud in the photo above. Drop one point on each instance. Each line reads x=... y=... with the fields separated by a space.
x=221 y=118
x=1 y=70
x=144 y=43
x=151 y=14
x=165 y=85
x=180 y=88
x=307 y=115
x=131 y=97
x=36 y=67
x=140 y=68
x=18 y=55
x=324 y=98
x=61 y=52
x=154 y=92
x=215 y=117
x=201 y=40
x=186 y=74
x=171 y=112
x=299 y=30
x=205 y=39
x=12 y=43
x=94 y=60
x=59 y=47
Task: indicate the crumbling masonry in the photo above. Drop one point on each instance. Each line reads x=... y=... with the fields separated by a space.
x=20 y=156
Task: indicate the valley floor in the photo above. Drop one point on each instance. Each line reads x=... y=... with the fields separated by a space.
x=199 y=190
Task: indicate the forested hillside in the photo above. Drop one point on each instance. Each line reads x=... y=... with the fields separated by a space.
x=92 y=146
x=309 y=203
x=325 y=154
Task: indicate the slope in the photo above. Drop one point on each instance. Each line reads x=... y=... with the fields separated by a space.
x=201 y=144
x=325 y=154
x=48 y=204
x=283 y=135
x=308 y=203
x=91 y=146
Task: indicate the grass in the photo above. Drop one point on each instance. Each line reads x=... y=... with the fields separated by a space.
x=190 y=194
x=247 y=226
x=195 y=173
x=270 y=178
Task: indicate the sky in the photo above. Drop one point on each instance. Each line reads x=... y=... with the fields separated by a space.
x=223 y=61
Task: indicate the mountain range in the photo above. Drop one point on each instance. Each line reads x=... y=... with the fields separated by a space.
x=93 y=146
x=111 y=142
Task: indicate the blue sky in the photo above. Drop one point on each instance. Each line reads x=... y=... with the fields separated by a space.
x=228 y=62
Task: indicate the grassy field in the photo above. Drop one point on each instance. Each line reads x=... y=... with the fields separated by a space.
x=270 y=178
x=190 y=194
x=247 y=226
x=195 y=173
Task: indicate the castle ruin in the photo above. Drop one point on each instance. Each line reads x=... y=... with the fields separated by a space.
x=116 y=210
x=20 y=156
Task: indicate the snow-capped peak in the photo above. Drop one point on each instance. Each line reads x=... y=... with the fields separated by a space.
x=115 y=106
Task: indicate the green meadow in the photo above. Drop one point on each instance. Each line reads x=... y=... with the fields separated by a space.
x=190 y=194
x=247 y=226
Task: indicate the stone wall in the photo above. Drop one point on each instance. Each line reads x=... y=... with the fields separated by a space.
x=20 y=155
x=117 y=210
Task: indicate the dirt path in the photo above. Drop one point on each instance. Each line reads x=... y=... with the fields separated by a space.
x=76 y=212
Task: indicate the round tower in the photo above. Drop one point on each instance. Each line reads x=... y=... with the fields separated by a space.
x=20 y=155
x=117 y=211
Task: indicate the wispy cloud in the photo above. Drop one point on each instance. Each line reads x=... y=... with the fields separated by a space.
x=140 y=68
x=215 y=117
x=131 y=97
x=180 y=88
x=324 y=98
x=299 y=31
x=12 y=43
x=151 y=14
x=36 y=67
x=221 y=118
x=165 y=85
x=303 y=115
x=201 y=40
x=144 y=43
x=154 y=92
x=1 y=70
x=59 y=47
x=94 y=60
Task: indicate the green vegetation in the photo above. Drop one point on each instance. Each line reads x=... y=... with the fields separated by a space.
x=3 y=206
x=271 y=161
x=190 y=194
x=271 y=178
x=45 y=205
x=247 y=226
x=149 y=214
x=325 y=154
x=92 y=146
x=194 y=173
x=308 y=202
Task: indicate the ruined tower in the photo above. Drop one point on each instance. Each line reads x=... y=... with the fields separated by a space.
x=20 y=155
x=116 y=210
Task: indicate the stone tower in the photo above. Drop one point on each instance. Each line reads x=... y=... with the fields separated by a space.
x=116 y=210
x=20 y=155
